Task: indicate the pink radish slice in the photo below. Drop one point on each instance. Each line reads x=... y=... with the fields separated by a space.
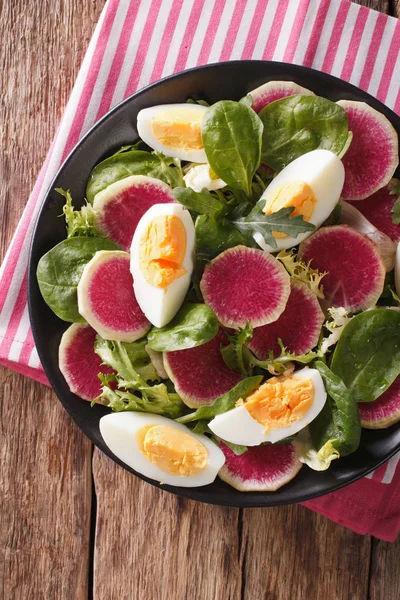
x=384 y=411
x=79 y=363
x=373 y=156
x=106 y=298
x=355 y=271
x=299 y=326
x=121 y=205
x=244 y=284
x=261 y=468
x=275 y=90
x=377 y=209
x=200 y=374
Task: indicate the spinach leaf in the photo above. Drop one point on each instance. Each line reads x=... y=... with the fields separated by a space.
x=193 y=325
x=225 y=402
x=135 y=162
x=133 y=392
x=214 y=236
x=59 y=271
x=339 y=420
x=367 y=356
x=298 y=124
x=203 y=203
x=258 y=221
x=231 y=134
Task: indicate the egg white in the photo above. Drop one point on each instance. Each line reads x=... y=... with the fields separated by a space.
x=160 y=305
x=198 y=177
x=238 y=426
x=119 y=432
x=324 y=172
x=145 y=132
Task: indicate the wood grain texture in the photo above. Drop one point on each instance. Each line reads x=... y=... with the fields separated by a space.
x=45 y=498
x=167 y=548
x=45 y=477
x=149 y=545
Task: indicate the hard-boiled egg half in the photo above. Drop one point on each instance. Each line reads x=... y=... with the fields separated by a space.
x=312 y=184
x=174 y=129
x=162 y=449
x=162 y=258
x=199 y=177
x=280 y=407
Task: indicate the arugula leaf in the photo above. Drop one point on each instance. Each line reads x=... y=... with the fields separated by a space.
x=298 y=124
x=231 y=134
x=258 y=221
x=193 y=325
x=367 y=356
x=203 y=203
x=302 y=271
x=79 y=222
x=60 y=269
x=133 y=392
x=237 y=341
x=225 y=402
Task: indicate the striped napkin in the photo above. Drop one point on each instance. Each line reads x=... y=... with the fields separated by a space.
x=137 y=42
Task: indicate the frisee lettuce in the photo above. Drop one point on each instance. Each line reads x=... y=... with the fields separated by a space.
x=132 y=390
x=302 y=271
x=78 y=222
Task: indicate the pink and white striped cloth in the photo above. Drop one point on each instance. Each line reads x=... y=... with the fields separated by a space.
x=137 y=42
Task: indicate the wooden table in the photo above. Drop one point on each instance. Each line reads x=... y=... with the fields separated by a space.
x=73 y=524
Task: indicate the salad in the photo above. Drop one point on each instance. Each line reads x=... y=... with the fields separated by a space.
x=232 y=285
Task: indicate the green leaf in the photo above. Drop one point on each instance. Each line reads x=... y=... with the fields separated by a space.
x=225 y=402
x=257 y=221
x=231 y=134
x=298 y=124
x=203 y=203
x=302 y=271
x=247 y=100
x=135 y=162
x=237 y=342
x=79 y=222
x=367 y=356
x=193 y=325
x=59 y=271
x=133 y=393
x=214 y=236
x=395 y=210
x=279 y=364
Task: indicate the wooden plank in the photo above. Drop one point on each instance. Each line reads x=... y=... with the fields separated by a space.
x=153 y=545
x=290 y=552
x=45 y=477
x=45 y=483
x=380 y=5
x=385 y=580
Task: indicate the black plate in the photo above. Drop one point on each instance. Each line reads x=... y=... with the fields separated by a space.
x=230 y=80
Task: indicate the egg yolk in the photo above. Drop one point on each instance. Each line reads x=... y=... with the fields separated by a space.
x=162 y=250
x=179 y=129
x=296 y=193
x=280 y=401
x=172 y=450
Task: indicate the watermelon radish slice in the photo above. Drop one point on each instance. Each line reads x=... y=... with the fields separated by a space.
x=79 y=363
x=106 y=298
x=350 y=215
x=373 y=155
x=261 y=468
x=244 y=284
x=299 y=326
x=377 y=209
x=121 y=205
x=355 y=271
x=384 y=411
x=275 y=90
x=200 y=374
